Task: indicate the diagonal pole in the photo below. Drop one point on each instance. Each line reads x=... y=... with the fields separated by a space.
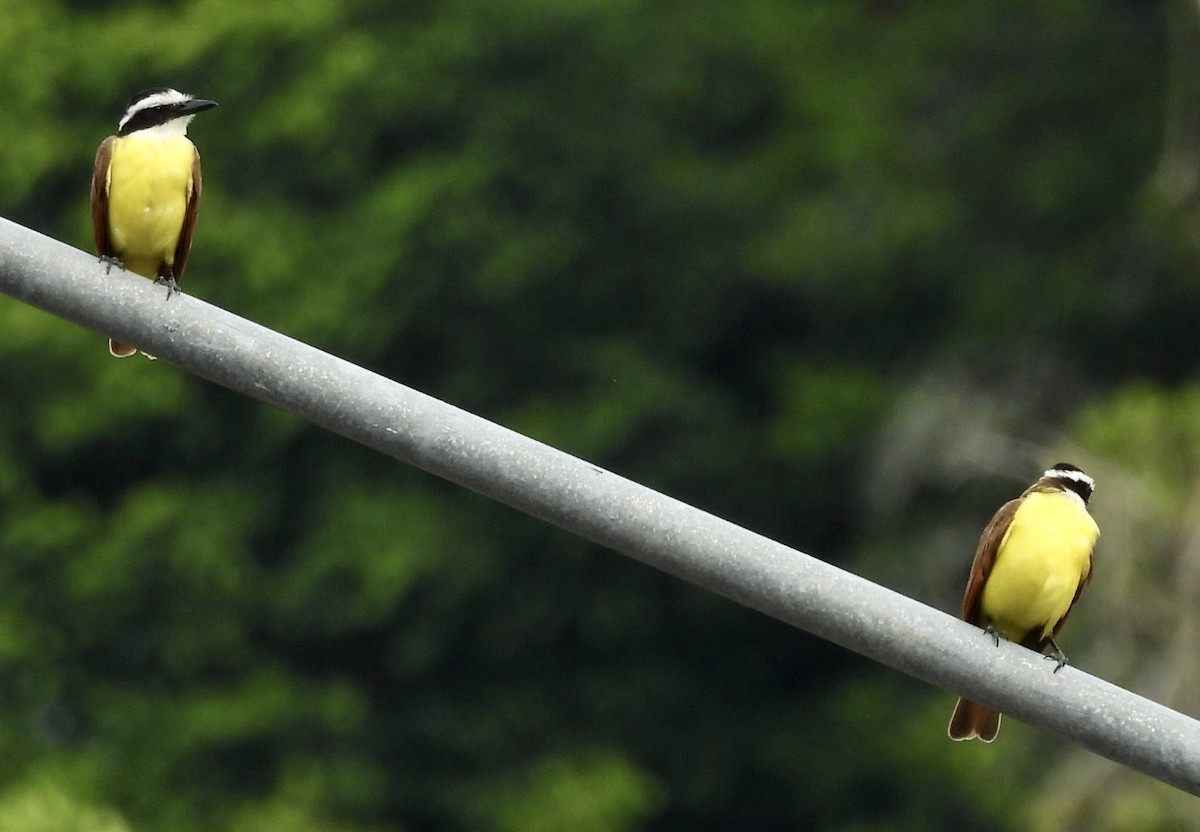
x=601 y=506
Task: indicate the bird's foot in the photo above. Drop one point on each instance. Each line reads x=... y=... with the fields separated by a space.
x=1058 y=656
x=110 y=261
x=169 y=281
x=996 y=633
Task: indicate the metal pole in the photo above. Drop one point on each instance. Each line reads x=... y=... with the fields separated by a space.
x=600 y=506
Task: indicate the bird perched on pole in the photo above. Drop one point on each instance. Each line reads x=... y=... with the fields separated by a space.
x=146 y=190
x=1032 y=562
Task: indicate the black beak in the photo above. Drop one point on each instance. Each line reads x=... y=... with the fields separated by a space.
x=195 y=105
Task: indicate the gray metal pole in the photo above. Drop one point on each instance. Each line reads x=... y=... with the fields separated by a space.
x=601 y=506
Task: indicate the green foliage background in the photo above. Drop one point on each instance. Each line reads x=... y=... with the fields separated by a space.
x=849 y=273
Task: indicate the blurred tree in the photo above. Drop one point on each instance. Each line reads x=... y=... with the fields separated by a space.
x=813 y=266
x=43 y=807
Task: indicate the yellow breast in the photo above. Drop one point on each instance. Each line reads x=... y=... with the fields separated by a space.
x=1039 y=565
x=149 y=185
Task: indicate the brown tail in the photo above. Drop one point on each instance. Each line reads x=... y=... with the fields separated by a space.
x=971 y=720
x=120 y=350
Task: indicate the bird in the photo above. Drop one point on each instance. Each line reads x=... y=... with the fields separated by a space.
x=146 y=190
x=1032 y=562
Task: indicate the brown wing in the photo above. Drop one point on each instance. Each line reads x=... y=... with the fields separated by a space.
x=100 y=198
x=985 y=558
x=189 y=220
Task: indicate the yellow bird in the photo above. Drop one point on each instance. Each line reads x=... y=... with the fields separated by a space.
x=1032 y=562
x=146 y=190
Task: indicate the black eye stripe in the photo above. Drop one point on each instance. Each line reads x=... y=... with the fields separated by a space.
x=1083 y=488
x=152 y=116
x=148 y=118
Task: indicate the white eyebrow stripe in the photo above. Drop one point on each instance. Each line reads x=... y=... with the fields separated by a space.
x=1077 y=476
x=156 y=100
